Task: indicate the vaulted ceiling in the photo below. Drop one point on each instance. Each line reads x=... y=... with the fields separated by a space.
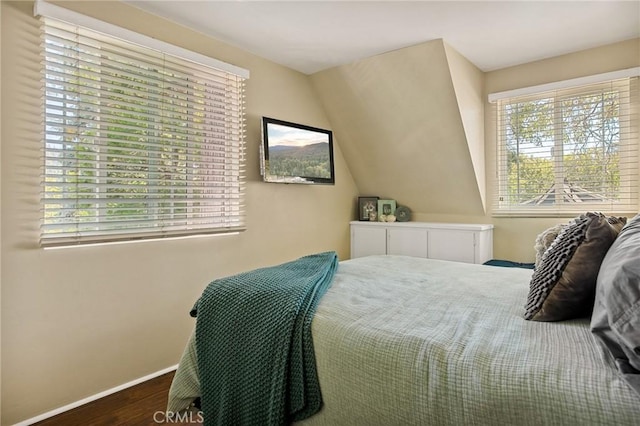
x=310 y=35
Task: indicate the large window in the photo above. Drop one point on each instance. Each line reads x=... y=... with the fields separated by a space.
x=569 y=150
x=138 y=143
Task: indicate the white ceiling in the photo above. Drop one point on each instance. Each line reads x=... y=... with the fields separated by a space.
x=310 y=36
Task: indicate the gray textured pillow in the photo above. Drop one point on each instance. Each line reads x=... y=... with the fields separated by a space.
x=545 y=238
x=563 y=285
x=616 y=311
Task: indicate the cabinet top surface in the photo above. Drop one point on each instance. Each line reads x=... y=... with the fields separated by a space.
x=440 y=225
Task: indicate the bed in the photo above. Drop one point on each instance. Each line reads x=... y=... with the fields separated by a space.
x=410 y=341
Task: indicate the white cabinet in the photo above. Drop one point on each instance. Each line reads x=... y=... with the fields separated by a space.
x=406 y=241
x=470 y=243
x=370 y=240
x=452 y=244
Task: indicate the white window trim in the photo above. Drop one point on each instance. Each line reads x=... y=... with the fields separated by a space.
x=48 y=10
x=554 y=210
x=564 y=84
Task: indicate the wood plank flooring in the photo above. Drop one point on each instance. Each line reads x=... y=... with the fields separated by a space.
x=140 y=405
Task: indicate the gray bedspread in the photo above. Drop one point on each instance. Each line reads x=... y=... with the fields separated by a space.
x=409 y=341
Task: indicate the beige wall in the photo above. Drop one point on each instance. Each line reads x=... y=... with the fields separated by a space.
x=514 y=237
x=403 y=132
x=78 y=321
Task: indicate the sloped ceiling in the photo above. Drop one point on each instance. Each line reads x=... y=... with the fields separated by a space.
x=468 y=83
x=406 y=132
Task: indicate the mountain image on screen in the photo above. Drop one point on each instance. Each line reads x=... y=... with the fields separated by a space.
x=305 y=161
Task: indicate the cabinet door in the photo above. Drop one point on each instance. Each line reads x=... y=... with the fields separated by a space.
x=407 y=241
x=449 y=244
x=368 y=240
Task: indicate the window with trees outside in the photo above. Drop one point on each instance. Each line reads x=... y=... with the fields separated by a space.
x=569 y=150
x=138 y=142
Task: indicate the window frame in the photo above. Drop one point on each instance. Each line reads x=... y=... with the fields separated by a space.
x=560 y=91
x=232 y=168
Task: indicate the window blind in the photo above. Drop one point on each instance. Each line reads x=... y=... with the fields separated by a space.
x=138 y=143
x=569 y=150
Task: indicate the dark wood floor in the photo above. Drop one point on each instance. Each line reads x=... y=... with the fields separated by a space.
x=143 y=404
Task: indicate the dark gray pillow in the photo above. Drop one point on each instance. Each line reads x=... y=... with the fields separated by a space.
x=616 y=311
x=563 y=284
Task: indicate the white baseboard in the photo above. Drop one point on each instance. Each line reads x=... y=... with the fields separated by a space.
x=95 y=397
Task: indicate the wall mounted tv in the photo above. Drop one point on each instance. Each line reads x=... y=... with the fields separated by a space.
x=295 y=153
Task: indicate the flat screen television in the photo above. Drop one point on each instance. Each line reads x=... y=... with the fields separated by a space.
x=296 y=153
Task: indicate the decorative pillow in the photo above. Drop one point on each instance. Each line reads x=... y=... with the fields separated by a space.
x=563 y=285
x=545 y=238
x=616 y=311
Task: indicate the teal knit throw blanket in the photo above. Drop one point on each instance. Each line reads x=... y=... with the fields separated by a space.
x=255 y=353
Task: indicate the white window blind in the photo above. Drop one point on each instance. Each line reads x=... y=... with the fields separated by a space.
x=138 y=143
x=569 y=150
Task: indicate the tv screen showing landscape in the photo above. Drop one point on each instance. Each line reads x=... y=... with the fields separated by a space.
x=296 y=153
